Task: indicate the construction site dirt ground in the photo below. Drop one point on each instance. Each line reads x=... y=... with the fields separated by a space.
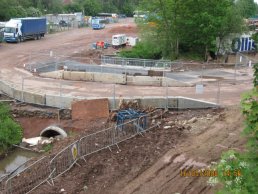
x=151 y=163
x=145 y=164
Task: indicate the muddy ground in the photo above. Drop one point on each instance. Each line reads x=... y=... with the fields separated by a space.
x=151 y=163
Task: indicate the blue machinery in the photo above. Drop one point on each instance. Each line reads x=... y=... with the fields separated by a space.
x=128 y=114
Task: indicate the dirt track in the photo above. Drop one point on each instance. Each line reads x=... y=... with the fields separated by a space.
x=150 y=164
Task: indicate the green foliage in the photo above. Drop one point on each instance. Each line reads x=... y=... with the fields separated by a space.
x=255 y=75
x=239 y=172
x=10 y=131
x=247 y=8
x=47 y=147
x=91 y=7
x=144 y=50
x=23 y=8
x=255 y=38
x=33 y=12
x=190 y=25
x=73 y=7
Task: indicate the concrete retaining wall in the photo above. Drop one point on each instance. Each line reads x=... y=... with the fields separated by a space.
x=34 y=98
x=110 y=78
x=78 y=76
x=59 y=101
x=190 y=103
x=6 y=88
x=94 y=76
x=53 y=74
x=174 y=83
x=144 y=80
x=115 y=78
x=162 y=102
x=64 y=102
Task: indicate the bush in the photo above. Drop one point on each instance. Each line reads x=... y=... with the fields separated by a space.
x=143 y=50
x=10 y=131
x=239 y=171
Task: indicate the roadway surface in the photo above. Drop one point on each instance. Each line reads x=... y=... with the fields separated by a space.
x=14 y=56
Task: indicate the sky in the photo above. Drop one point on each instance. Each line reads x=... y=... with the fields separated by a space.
x=256 y=1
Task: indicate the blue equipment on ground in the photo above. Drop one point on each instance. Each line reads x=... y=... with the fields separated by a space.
x=128 y=114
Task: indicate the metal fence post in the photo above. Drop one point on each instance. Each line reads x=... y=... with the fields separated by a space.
x=218 y=93
x=114 y=96
x=60 y=93
x=235 y=67
x=166 y=94
x=202 y=75
x=30 y=62
x=22 y=89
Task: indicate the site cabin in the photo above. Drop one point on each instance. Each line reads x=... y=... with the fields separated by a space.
x=20 y=29
x=119 y=40
x=131 y=41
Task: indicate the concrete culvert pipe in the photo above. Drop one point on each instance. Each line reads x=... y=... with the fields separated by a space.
x=53 y=131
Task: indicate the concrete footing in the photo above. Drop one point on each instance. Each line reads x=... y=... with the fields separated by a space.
x=115 y=78
x=64 y=102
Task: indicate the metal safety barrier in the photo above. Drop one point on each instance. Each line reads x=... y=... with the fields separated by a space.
x=64 y=160
x=47 y=169
x=29 y=178
x=136 y=62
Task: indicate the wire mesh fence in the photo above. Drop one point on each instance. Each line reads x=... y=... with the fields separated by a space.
x=64 y=160
x=47 y=169
x=29 y=178
x=166 y=64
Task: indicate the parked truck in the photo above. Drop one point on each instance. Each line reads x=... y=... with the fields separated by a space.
x=20 y=29
x=97 y=23
x=2 y=24
x=118 y=40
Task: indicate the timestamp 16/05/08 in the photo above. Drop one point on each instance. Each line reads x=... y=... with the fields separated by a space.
x=208 y=173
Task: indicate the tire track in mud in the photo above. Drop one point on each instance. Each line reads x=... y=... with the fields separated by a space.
x=164 y=178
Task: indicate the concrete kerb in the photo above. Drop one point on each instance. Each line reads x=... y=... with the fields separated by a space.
x=94 y=76
x=115 y=78
x=190 y=103
x=59 y=101
x=109 y=78
x=6 y=88
x=173 y=102
x=66 y=101
x=174 y=83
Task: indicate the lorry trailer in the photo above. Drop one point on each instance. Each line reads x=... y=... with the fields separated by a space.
x=20 y=29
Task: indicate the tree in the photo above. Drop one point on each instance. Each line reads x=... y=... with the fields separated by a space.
x=165 y=13
x=73 y=7
x=52 y=6
x=91 y=7
x=247 y=8
x=10 y=131
x=192 y=26
x=33 y=12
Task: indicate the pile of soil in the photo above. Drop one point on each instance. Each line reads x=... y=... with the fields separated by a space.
x=124 y=29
